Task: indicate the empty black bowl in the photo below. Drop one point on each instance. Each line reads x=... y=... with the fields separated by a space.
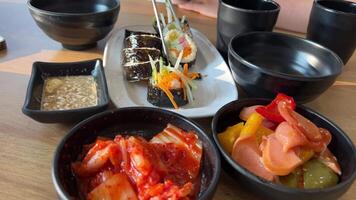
x=42 y=70
x=265 y=63
x=341 y=145
x=142 y=121
x=76 y=24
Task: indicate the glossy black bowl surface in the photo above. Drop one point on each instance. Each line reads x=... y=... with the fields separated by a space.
x=341 y=145
x=337 y=19
x=42 y=70
x=265 y=63
x=76 y=24
x=242 y=16
x=142 y=121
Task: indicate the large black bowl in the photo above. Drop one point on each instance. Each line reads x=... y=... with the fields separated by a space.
x=265 y=63
x=76 y=24
x=341 y=146
x=141 y=121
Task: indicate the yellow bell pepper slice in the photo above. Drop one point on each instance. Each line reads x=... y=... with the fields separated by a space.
x=228 y=137
x=253 y=123
x=262 y=131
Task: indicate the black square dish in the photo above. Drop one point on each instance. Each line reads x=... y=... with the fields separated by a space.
x=42 y=70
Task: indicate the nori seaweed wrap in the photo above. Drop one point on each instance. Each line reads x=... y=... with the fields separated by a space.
x=138 y=55
x=137 y=71
x=137 y=41
x=138 y=46
x=159 y=98
x=129 y=33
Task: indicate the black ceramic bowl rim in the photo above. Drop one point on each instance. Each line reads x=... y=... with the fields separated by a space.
x=345 y=2
x=251 y=10
x=28 y=93
x=284 y=75
x=266 y=183
x=55 y=178
x=46 y=12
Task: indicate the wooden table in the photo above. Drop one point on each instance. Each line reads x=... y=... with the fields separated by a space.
x=27 y=147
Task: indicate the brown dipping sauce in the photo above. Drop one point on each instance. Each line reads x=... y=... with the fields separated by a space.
x=69 y=92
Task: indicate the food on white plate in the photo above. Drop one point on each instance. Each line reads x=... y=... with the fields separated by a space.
x=177 y=41
x=177 y=37
x=171 y=86
x=137 y=47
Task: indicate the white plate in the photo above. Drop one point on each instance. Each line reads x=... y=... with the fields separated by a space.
x=214 y=91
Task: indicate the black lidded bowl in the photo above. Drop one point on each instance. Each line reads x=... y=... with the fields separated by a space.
x=265 y=63
x=76 y=24
x=42 y=70
x=142 y=121
x=341 y=145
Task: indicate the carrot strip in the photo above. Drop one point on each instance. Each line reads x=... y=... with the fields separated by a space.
x=169 y=95
x=194 y=75
x=185 y=69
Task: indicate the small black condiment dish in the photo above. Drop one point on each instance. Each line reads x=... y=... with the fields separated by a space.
x=265 y=63
x=341 y=145
x=76 y=24
x=42 y=70
x=141 y=121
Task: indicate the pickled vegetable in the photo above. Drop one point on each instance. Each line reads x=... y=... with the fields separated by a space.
x=291 y=150
x=228 y=137
x=253 y=123
x=317 y=175
x=262 y=131
x=293 y=180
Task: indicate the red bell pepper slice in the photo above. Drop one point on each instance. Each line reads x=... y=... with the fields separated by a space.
x=270 y=111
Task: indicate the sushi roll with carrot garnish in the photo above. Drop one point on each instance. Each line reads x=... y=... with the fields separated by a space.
x=171 y=86
x=168 y=24
x=177 y=36
x=177 y=41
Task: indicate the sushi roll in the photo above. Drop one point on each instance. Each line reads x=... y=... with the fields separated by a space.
x=156 y=96
x=138 y=55
x=177 y=36
x=138 y=46
x=170 y=21
x=137 y=41
x=130 y=32
x=177 y=41
x=169 y=86
x=184 y=26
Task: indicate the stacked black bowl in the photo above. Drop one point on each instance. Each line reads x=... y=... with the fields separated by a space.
x=76 y=24
x=265 y=63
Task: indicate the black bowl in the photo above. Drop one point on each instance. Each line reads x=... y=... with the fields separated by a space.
x=341 y=146
x=242 y=16
x=141 y=121
x=265 y=63
x=76 y=24
x=42 y=70
x=341 y=38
